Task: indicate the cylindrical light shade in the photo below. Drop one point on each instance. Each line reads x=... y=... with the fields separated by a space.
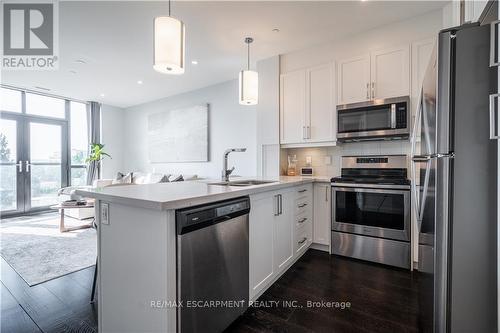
x=169 y=34
x=249 y=87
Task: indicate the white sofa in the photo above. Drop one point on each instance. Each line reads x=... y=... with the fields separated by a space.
x=135 y=178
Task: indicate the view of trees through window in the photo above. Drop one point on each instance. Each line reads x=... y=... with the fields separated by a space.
x=44 y=123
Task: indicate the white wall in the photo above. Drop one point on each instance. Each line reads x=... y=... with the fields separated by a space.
x=112 y=136
x=404 y=32
x=230 y=125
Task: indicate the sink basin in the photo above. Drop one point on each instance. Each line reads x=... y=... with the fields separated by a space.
x=251 y=182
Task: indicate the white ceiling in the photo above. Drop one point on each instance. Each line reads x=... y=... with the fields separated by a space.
x=115 y=40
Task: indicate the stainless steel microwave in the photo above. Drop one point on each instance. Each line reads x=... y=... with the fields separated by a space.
x=380 y=119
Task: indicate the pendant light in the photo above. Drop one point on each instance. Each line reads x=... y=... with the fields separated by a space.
x=249 y=81
x=169 y=44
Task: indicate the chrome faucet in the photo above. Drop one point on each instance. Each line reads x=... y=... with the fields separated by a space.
x=225 y=171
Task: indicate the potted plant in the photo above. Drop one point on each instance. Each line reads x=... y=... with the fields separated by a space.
x=97 y=154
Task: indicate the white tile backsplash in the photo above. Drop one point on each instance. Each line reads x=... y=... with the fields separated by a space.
x=345 y=149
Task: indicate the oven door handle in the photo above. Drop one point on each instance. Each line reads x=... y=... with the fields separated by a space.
x=368 y=190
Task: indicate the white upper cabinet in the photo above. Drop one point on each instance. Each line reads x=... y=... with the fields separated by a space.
x=379 y=74
x=354 y=79
x=474 y=9
x=307 y=106
x=320 y=108
x=390 y=72
x=292 y=106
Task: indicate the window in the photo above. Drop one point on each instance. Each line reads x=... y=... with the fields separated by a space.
x=45 y=106
x=10 y=100
x=79 y=142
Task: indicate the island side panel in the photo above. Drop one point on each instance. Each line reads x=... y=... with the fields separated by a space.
x=137 y=272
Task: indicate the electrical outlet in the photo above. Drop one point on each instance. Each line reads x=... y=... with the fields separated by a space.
x=328 y=160
x=104 y=213
x=308 y=160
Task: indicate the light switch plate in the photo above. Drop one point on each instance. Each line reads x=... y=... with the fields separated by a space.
x=328 y=160
x=105 y=213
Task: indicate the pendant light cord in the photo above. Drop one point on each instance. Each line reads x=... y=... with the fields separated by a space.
x=248 y=56
x=168 y=7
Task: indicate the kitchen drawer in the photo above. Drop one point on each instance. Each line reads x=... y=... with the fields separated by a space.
x=303 y=206
x=303 y=238
x=304 y=191
x=302 y=221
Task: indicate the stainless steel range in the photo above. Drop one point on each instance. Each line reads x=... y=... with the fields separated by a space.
x=371 y=210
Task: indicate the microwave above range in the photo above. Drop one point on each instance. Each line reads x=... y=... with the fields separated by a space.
x=380 y=119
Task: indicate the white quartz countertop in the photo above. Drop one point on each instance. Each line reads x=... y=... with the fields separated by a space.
x=165 y=196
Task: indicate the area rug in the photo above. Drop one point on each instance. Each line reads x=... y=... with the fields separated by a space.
x=38 y=252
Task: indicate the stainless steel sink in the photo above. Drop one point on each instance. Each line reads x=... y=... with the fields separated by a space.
x=251 y=182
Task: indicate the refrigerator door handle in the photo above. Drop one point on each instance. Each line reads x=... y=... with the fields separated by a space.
x=493 y=117
x=494 y=61
x=420 y=206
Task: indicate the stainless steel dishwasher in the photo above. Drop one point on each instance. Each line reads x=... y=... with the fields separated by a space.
x=212 y=265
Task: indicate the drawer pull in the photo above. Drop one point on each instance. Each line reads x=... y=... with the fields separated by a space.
x=302 y=191
x=302 y=240
x=302 y=205
x=303 y=220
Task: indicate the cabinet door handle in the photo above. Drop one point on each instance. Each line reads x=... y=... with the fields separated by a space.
x=302 y=191
x=281 y=204
x=303 y=220
x=277 y=206
x=493 y=117
x=494 y=61
x=28 y=164
x=367 y=90
x=303 y=132
x=326 y=193
x=309 y=132
x=302 y=205
x=373 y=90
x=302 y=240
x=20 y=166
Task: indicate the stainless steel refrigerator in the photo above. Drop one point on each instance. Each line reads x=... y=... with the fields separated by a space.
x=455 y=167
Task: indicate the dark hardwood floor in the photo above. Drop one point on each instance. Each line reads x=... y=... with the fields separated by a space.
x=382 y=299
x=59 y=305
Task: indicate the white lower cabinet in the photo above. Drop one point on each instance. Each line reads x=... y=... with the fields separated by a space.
x=322 y=213
x=283 y=230
x=261 y=241
x=276 y=233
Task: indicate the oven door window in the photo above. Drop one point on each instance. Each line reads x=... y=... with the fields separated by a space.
x=361 y=120
x=382 y=210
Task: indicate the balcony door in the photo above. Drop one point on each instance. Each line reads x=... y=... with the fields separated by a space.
x=34 y=162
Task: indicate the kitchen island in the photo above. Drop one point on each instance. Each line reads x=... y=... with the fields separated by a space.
x=137 y=243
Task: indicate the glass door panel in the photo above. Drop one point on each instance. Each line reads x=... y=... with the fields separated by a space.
x=364 y=120
x=9 y=165
x=45 y=164
x=382 y=210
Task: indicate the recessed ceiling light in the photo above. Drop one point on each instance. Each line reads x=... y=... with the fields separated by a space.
x=139 y=82
x=72 y=71
x=276 y=30
x=194 y=62
x=102 y=95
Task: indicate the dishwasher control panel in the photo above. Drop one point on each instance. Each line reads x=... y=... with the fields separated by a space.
x=193 y=218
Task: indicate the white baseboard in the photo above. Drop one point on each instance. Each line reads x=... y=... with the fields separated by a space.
x=320 y=247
